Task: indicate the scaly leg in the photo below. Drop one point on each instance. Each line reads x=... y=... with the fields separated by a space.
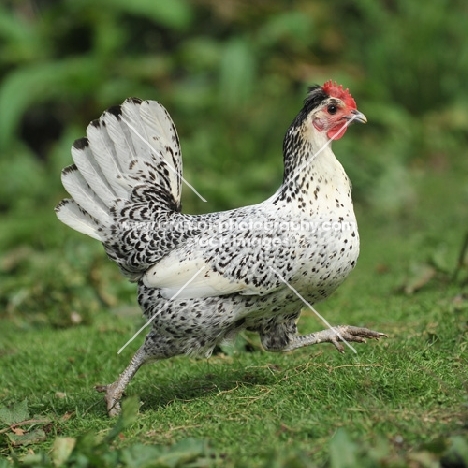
x=114 y=391
x=333 y=335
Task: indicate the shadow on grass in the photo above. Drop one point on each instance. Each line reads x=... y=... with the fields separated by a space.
x=198 y=387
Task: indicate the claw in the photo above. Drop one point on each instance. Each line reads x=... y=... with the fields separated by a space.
x=353 y=334
x=113 y=405
x=338 y=346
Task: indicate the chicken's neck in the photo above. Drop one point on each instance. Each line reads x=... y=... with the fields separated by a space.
x=314 y=181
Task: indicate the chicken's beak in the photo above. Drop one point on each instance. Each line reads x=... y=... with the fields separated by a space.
x=357 y=116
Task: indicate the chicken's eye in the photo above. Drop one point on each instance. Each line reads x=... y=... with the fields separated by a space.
x=331 y=109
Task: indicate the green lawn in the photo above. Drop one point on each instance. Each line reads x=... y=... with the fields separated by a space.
x=398 y=402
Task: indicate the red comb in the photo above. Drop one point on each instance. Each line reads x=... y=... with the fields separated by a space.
x=331 y=88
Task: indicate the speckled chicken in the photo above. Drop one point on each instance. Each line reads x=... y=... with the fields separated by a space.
x=203 y=278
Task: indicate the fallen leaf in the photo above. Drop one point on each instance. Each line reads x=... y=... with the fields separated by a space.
x=36 y=435
x=62 y=449
x=16 y=413
x=67 y=416
x=420 y=275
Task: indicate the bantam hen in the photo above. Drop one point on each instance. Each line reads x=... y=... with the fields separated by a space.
x=204 y=278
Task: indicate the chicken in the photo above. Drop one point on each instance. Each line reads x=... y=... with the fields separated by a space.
x=203 y=278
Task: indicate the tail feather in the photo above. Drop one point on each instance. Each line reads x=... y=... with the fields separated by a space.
x=76 y=185
x=134 y=129
x=74 y=216
x=120 y=134
x=91 y=171
x=147 y=146
x=104 y=152
x=128 y=168
x=163 y=137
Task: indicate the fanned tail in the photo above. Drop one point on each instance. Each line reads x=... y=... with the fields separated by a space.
x=128 y=168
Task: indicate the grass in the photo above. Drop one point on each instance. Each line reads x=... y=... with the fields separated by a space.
x=384 y=406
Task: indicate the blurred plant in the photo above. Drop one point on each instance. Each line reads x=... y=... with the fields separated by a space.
x=230 y=74
x=233 y=75
x=96 y=450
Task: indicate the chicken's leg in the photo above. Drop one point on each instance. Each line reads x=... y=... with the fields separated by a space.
x=333 y=335
x=114 y=391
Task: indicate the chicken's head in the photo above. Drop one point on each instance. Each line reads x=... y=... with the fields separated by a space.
x=331 y=109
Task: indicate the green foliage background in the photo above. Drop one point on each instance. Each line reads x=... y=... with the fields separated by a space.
x=233 y=75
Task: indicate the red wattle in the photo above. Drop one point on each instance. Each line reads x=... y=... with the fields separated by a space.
x=337 y=132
